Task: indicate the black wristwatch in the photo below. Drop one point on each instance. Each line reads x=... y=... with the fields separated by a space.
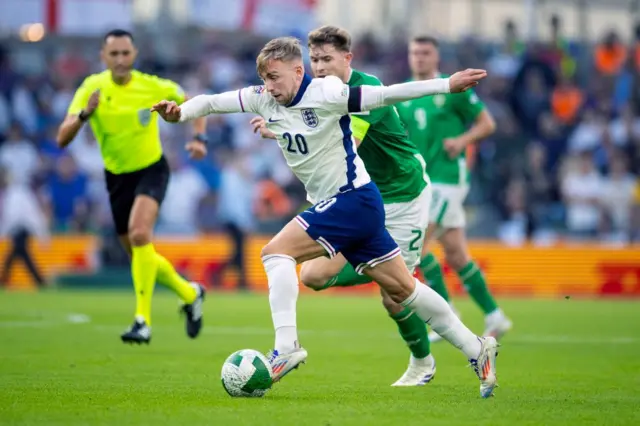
x=83 y=116
x=201 y=137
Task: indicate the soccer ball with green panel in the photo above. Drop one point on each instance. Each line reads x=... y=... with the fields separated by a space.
x=247 y=373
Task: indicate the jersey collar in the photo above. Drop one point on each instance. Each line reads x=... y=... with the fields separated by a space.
x=303 y=88
x=350 y=76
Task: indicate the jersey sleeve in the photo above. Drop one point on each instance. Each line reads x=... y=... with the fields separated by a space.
x=361 y=122
x=248 y=99
x=252 y=99
x=80 y=98
x=468 y=105
x=339 y=97
x=170 y=91
x=342 y=99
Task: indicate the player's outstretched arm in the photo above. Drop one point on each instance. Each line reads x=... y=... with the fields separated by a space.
x=197 y=146
x=372 y=97
x=199 y=106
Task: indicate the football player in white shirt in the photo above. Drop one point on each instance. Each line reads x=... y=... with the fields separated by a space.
x=310 y=118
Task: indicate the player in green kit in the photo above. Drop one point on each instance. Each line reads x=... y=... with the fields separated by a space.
x=442 y=127
x=397 y=168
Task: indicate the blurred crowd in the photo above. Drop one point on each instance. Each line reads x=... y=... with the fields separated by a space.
x=564 y=162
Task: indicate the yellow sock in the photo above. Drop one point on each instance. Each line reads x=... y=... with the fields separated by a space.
x=169 y=277
x=143 y=270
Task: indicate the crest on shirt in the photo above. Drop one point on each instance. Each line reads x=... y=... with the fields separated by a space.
x=309 y=117
x=258 y=89
x=144 y=116
x=438 y=100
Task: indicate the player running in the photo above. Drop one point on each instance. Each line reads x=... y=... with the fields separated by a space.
x=116 y=103
x=438 y=127
x=311 y=121
x=398 y=170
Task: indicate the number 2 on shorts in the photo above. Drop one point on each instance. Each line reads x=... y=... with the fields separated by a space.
x=417 y=240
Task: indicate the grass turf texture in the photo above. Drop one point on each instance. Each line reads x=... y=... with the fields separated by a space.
x=567 y=362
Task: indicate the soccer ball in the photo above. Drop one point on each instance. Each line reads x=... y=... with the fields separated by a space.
x=246 y=373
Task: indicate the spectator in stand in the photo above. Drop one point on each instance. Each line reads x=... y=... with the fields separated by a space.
x=235 y=210
x=610 y=55
x=516 y=228
x=557 y=53
x=272 y=206
x=504 y=64
x=187 y=188
x=617 y=197
x=68 y=196
x=635 y=214
x=21 y=216
x=588 y=134
x=581 y=186
x=566 y=101
x=539 y=186
x=19 y=156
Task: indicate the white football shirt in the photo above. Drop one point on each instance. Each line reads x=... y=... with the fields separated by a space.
x=314 y=134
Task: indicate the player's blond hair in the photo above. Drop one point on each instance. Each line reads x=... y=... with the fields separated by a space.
x=285 y=49
x=329 y=34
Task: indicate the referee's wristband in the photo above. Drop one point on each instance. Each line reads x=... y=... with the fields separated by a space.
x=201 y=137
x=83 y=116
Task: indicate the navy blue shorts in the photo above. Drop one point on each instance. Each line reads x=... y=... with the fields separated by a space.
x=352 y=223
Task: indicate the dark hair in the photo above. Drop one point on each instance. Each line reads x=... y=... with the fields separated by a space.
x=426 y=39
x=328 y=34
x=117 y=33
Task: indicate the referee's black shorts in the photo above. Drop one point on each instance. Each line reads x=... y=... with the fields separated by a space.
x=124 y=188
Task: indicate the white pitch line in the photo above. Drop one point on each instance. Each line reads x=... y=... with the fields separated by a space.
x=80 y=320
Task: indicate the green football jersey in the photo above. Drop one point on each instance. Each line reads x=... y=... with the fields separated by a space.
x=392 y=160
x=432 y=119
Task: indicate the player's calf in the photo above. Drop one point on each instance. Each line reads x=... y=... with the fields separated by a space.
x=279 y=257
x=456 y=257
x=392 y=307
x=433 y=309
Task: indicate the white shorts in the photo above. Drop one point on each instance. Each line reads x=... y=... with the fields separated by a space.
x=447 y=205
x=407 y=223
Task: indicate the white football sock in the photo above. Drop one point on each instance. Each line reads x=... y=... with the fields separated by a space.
x=435 y=311
x=427 y=361
x=494 y=316
x=283 y=295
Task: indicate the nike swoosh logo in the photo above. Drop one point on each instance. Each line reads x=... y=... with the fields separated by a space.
x=271 y=120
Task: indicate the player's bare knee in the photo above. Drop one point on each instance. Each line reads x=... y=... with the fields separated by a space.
x=139 y=235
x=312 y=278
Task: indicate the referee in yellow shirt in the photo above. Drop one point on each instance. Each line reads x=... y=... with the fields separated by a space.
x=116 y=104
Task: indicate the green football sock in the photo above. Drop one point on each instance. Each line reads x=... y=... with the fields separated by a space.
x=414 y=332
x=432 y=272
x=347 y=277
x=473 y=280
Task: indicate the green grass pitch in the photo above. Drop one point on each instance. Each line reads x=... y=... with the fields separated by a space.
x=567 y=362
